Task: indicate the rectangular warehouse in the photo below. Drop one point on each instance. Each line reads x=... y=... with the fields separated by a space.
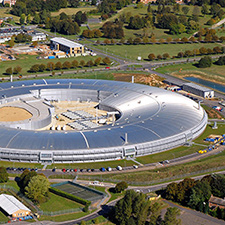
x=198 y=90
x=13 y=206
x=69 y=47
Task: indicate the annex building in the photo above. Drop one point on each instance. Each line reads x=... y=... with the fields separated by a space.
x=69 y=47
x=13 y=206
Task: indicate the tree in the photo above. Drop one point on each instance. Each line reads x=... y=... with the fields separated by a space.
x=155 y=214
x=3 y=175
x=37 y=188
x=132 y=209
x=98 y=61
x=36 y=19
x=121 y=186
x=215 y=8
x=205 y=62
x=11 y=43
x=66 y=65
x=42 y=67
x=82 y=63
x=35 y=43
x=170 y=216
x=196 y=11
x=221 y=61
x=58 y=66
x=106 y=61
x=9 y=71
x=199 y=194
x=74 y=3
x=25 y=178
x=165 y=56
x=22 y=18
x=75 y=64
x=17 y=69
x=50 y=66
x=90 y=63
x=34 y=68
x=203 y=51
x=205 y=9
x=185 y=10
x=28 y=18
x=149 y=9
x=171 y=191
x=151 y=56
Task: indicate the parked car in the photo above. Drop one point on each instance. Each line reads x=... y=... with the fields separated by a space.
x=102 y=169
x=109 y=169
x=119 y=168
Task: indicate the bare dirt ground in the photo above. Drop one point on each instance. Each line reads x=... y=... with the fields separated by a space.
x=152 y=79
x=10 y=114
x=63 y=106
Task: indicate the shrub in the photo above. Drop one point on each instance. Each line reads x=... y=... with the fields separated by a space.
x=205 y=62
x=70 y=196
x=121 y=186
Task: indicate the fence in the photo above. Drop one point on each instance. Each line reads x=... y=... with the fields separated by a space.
x=60 y=212
x=32 y=206
x=167 y=179
x=21 y=197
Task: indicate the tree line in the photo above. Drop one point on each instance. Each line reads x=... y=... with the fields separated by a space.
x=196 y=193
x=69 y=65
x=135 y=209
x=188 y=53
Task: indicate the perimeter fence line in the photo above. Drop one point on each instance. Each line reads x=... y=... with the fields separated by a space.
x=155 y=181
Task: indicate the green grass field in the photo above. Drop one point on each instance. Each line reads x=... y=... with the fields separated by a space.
x=213 y=73
x=20 y=164
x=159 y=33
x=71 y=11
x=96 y=165
x=57 y=203
x=5 y=12
x=26 y=61
x=3 y=217
x=159 y=173
x=133 y=51
x=65 y=217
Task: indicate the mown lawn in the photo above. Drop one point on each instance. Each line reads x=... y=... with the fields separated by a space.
x=183 y=150
x=159 y=33
x=26 y=61
x=20 y=164
x=71 y=11
x=133 y=51
x=58 y=203
x=96 y=165
x=65 y=217
x=159 y=173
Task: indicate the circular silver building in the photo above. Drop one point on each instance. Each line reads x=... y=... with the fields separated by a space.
x=147 y=120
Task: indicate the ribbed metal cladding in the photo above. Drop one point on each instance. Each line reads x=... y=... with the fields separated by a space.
x=153 y=119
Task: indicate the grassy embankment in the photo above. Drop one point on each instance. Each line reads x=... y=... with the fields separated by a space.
x=213 y=73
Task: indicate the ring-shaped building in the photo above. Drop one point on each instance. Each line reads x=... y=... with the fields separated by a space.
x=149 y=120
